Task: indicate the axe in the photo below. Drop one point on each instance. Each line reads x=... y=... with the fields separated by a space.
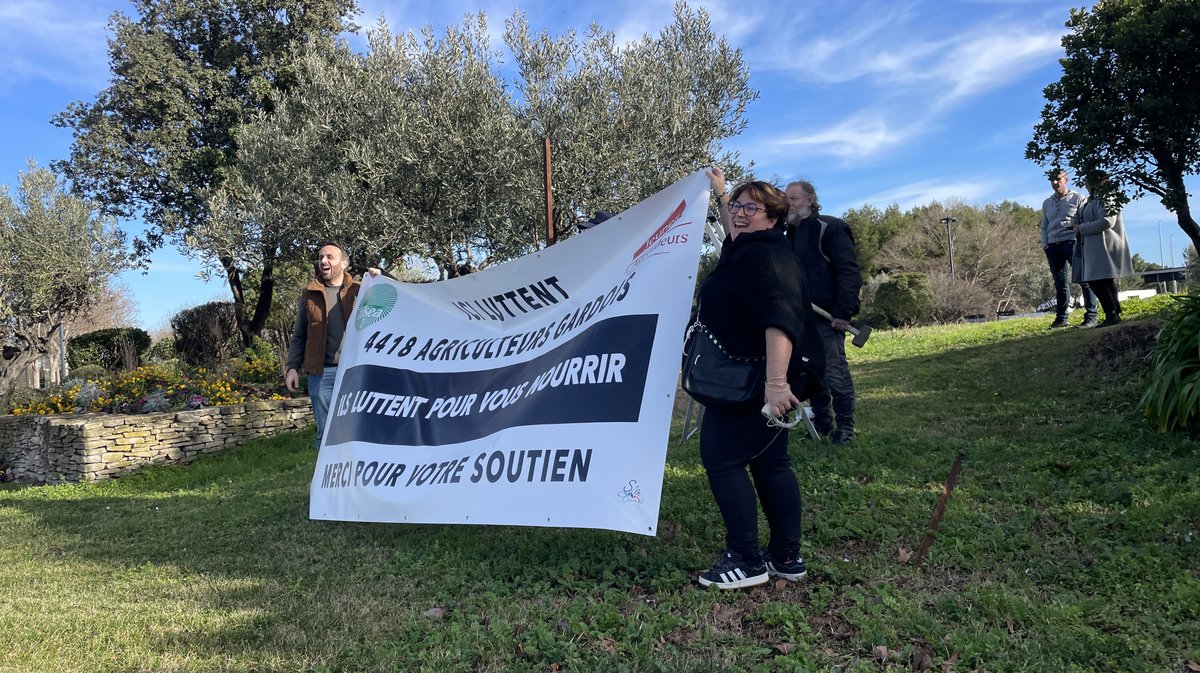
x=861 y=334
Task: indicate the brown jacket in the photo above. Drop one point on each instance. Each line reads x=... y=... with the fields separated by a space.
x=306 y=353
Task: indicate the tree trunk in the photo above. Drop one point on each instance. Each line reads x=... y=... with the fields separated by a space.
x=14 y=369
x=266 y=294
x=234 y=277
x=1177 y=198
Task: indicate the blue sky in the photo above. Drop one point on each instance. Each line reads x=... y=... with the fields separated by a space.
x=876 y=102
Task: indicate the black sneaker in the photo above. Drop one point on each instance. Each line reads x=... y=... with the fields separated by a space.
x=1088 y=322
x=730 y=572
x=842 y=437
x=1109 y=321
x=789 y=569
x=1060 y=322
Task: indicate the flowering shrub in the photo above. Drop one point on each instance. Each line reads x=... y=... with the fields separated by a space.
x=159 y=387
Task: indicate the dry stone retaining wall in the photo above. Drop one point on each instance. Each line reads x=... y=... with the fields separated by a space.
x=90 y=447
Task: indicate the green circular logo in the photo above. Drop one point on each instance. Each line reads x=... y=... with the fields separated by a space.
x=378 y=303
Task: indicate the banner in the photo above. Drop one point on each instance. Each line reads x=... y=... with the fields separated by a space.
x=537 y=392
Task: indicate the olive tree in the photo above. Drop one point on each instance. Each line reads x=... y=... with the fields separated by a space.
x=426 y=147
x=1128 y=102
x=396 y=152
x=58 y=256
x=625 y=122
x=160 y=140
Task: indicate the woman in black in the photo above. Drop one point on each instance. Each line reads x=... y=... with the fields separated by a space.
x=755 y=304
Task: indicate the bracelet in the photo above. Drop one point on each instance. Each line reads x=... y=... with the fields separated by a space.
x=718 y=195
x=781 y=377
x=778 y=387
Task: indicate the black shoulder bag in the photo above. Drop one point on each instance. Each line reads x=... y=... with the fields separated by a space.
x=715 y=378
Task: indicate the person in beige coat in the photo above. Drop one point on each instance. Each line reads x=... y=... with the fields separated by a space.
x=1104 y=250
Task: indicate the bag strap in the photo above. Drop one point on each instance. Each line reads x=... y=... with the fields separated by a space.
x=704 y=331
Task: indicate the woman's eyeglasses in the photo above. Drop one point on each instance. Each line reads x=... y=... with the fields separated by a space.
x=750 y=209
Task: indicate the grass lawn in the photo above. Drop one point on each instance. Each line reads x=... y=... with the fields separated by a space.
x=1072 y=543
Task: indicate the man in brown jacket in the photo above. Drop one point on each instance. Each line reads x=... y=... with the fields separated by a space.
x=324 y=311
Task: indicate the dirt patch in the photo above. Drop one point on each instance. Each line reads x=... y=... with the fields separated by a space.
x=1113 y=348
x=850 y=550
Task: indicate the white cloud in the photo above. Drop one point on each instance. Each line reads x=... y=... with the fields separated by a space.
x=922 y=192
x=864 y=135
x=64 y=43
x=898 y=71
x=989 y=60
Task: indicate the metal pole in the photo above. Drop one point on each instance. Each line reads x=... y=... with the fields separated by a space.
x=950 y=244
x=550 y=238
x=949 y=241
x=62 y=353
x=1161 y=260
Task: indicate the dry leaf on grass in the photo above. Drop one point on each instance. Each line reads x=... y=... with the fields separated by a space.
x=880 y=652
x=784 y=648
x=1193 y=666
x=904 y=555
x=434 y=613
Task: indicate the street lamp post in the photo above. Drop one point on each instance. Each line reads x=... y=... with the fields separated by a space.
x=949 y=240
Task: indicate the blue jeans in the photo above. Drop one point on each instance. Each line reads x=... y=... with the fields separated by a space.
x=320 y=391
x=1059 y=256
x=837 y=397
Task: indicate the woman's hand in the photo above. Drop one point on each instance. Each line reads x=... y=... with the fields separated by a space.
x=781 y=400
x=716 y=178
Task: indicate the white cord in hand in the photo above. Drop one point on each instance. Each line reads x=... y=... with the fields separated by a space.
x=789 y=420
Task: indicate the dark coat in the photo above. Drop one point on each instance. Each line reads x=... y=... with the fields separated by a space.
x=829 y=263
x=754 y=286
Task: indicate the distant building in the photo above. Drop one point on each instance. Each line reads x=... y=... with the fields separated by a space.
x=1169 y=278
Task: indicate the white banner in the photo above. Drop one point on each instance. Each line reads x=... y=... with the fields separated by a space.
x=536 y=393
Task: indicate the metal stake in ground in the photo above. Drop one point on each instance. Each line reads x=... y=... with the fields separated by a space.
x=939 y=510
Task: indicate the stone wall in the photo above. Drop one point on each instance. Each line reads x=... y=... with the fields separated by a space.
x=90 y=447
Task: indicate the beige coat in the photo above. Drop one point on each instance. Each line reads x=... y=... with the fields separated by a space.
x=1105 y=250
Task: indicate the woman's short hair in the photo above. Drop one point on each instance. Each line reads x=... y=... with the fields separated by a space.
x=767 y=194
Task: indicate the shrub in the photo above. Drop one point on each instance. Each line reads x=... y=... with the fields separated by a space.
x=112 y=349
x=25 y=398
x=954 y=299
x=1172 y=401
x=88 y=373
x=157 y=388
x=163 y=350
x=867 y=312
x=905 y=299
x=53 y=400
x=1159 y=304
x=206 y=335
x=259 y=364
x=89 y=393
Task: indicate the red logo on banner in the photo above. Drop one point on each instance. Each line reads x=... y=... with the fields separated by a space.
x=659 y=234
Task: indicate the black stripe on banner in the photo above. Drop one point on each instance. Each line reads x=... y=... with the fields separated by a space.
x=597 y=377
